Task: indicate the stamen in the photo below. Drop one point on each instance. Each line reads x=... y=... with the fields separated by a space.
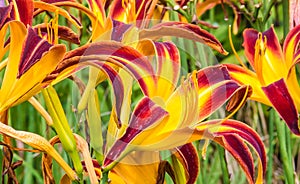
x=55 y=27
x=233 y=49
x=260 y=48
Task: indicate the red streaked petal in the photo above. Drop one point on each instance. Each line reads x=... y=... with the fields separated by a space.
x=273 y=44
x=232 y=134
x=239 y=150
x=118 y=87
x=250 y=37
x=282 y=101
x=168 y=66
x=184 y=30
x=131 y=11
x=33 y=49
x=4 y=14
x=290 y=46
x=188 y=156
x=119 y=29
x=165 y=57
x=214 y=89
x=98 y=9
x=145 y=114
x=265 y=55
x=25 y=10
x=247 y=77
x=116 y=53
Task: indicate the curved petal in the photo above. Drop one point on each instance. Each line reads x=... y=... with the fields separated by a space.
x=282 y=101
x=265 y=55
x=194 y=100
x=188 y=156
x=125 y=57
x=132 y=11
x=4 y=14
x=290 y=46
x=247 y=77
x=34 y=48
x=232 y=134
x=183 y=30
x=167 y=62
x=215 y=87
x=17 y=35
x=145 y=114
x=33 y=68
x=168 y=66
x=98 y=9
x=24 y=11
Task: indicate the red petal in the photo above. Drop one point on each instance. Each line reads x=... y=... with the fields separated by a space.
x=189 y=155
x=116 y=53
x=231 y=134
x=250 y=37
x=290 y=46
x=145 y=114
x=33 y=49
x=184 y=30
x=239 y=150
x=214 y=82
x=119 y=28
x=282 y=101
x=4 y=14
x=25 y=8
x=131 y=11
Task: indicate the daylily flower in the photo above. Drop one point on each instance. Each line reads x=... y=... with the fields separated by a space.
x=30 y=59
x=274 y=79
x=153 y=128
x=167 y=117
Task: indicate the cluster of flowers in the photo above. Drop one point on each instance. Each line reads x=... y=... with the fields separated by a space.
x=125 y=48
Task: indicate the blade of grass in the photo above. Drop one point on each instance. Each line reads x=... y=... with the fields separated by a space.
x=284 y=153
x=225 y=173
x=271 y=148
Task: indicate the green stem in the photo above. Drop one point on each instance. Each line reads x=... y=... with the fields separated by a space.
x=172 y=4
x=271 y=148
x=285 y=7
x=104 y=179
x=287 y=163
x=268 y=10
x=225 y=173
x=288 y=142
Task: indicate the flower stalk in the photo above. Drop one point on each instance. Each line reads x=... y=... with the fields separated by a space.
x=61 y=126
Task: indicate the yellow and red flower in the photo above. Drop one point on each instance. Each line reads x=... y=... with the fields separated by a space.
x=273 y=79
